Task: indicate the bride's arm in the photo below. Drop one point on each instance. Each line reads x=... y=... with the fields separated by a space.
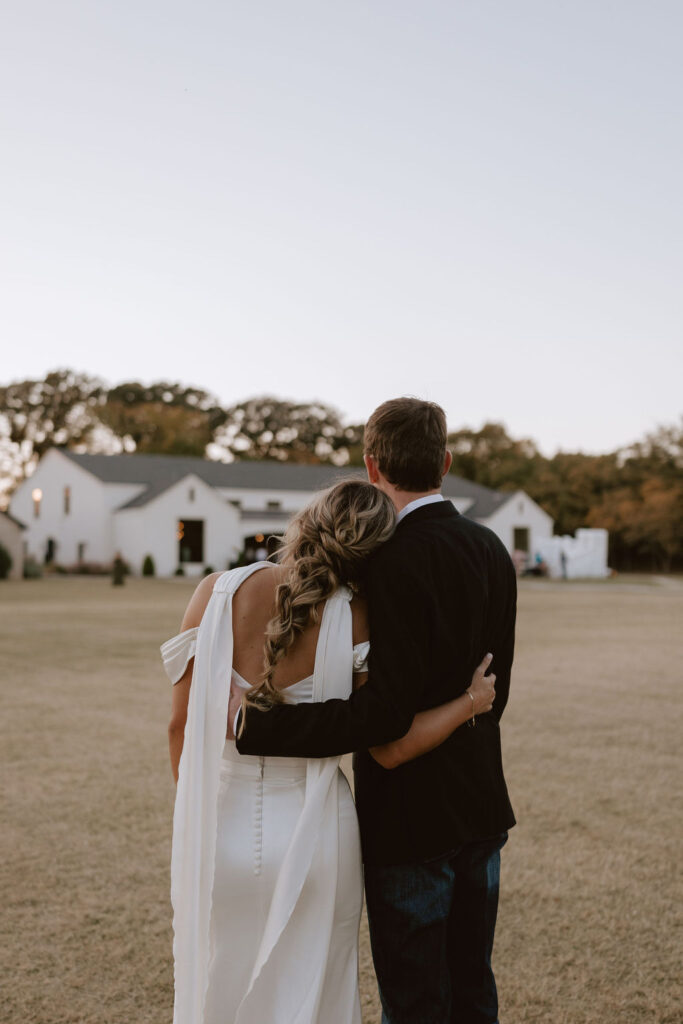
x=181 y=690
x=431 y=728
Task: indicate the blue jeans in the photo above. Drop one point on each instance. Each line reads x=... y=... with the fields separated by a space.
x=431 y=929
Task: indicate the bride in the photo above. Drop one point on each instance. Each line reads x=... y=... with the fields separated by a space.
x=266 y=873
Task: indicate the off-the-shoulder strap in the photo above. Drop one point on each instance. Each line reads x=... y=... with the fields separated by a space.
x=177 y=651
x=360 y=656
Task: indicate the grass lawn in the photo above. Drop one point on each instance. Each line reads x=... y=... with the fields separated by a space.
x=590 y=919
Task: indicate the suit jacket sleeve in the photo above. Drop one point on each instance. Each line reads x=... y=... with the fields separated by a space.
x=382 y=709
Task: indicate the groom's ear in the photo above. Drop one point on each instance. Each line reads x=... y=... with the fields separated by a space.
x=447 y=463
x=372 y=468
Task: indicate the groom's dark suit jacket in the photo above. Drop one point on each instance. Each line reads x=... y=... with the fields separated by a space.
x=441 y=593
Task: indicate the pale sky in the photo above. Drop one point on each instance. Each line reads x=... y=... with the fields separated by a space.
x=474 y=201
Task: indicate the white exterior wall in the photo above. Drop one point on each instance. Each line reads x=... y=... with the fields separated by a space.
x=116 y=495
x=152 y=529
x=11 y=537
x=256 y=500
x=585 y=554
x=265 y=524
x=520 y=511
x=253 y=500
x=89 y=520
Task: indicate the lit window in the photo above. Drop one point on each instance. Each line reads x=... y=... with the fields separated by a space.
x=67 y=501
x=37 y=496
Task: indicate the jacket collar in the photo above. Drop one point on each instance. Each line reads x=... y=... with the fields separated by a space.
x=436 y=510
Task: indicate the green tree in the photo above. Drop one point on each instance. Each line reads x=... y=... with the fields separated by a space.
x=61 y=409
x=270 y=428
x=489 y=456
x=163 y=417
x=569 y=484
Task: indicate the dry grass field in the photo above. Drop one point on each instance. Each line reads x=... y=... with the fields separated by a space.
x=590 y=918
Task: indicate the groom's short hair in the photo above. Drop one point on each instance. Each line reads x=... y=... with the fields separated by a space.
x=407 y=437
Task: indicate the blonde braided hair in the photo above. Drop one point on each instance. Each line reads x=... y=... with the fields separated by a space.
x=326 y=545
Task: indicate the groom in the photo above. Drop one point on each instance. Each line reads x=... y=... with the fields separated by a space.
x=441 y=593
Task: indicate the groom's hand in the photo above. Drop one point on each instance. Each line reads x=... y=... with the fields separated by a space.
x=482 y=689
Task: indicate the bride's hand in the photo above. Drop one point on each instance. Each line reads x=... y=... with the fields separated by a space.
x=482 y=688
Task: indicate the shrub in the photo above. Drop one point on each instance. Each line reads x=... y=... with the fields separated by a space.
x=118 y=571
x=179 y=571
x=5 y=562
x=148 y=568
x=208 y=569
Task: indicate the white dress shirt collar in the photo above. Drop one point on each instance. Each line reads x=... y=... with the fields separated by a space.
x=418 y=503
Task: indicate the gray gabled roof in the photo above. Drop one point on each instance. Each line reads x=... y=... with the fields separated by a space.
x=13 y=519
x=159 y=472
x=485 y=501
x=144 y=497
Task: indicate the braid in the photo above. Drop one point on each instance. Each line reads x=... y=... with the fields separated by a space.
x=326 y=546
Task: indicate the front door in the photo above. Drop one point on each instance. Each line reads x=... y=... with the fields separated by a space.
x=521 y=539
x=190 y=540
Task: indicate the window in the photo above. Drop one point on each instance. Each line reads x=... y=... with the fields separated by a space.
x=37 y=496
x=235 y=503
x=67 y=501
x=81 y=551
x=521 y=538
x=274 y=504
x=190 y=540
x=190 y=494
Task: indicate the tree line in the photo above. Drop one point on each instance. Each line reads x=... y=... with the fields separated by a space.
x=635 y=492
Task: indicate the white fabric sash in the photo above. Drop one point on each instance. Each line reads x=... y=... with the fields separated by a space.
x=195 y=813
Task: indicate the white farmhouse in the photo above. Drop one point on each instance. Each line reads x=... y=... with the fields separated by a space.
x=193 y=512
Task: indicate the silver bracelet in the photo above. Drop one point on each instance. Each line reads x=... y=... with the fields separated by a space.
x=471 y=721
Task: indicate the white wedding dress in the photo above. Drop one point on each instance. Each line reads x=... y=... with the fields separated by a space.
x=266 y=873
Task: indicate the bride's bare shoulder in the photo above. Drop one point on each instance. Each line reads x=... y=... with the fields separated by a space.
x=199 y=600
x=260 y=586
